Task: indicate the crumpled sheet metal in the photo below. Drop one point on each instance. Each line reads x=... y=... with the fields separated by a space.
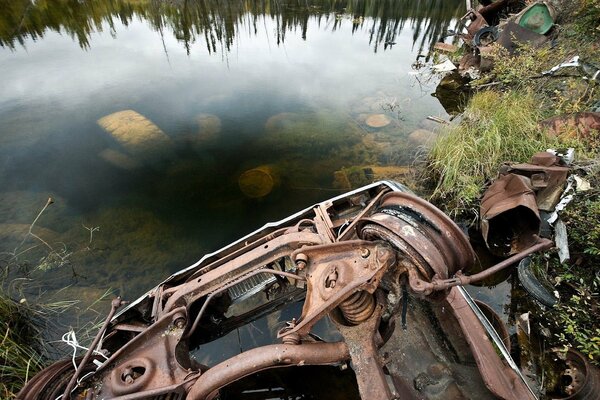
x=510 y=220
x=548 y=178
x=513 y=35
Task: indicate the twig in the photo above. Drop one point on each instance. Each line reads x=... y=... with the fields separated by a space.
x=92 y=230
x=30 y=233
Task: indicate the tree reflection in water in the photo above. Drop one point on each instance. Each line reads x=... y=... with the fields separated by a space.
x=217 y=22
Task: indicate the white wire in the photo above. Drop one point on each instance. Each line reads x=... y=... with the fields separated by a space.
x=70 y=339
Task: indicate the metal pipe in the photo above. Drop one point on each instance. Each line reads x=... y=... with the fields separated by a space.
x=542 y=244
x=261 y=358
x=420 y=286
x=116 y=303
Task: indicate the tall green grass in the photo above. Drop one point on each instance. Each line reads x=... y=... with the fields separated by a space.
x=21 y=348
x=496 y=127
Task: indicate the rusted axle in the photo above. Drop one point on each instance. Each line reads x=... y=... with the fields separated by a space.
x=261 y=358
x=420 y=286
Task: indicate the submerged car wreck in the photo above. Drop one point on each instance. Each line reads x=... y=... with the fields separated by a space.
x=355 y=259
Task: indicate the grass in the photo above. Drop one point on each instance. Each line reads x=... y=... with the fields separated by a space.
x=495 y=128
x=21 y=348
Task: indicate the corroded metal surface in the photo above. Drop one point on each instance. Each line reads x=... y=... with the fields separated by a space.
x=277 y=355
x=353 y=259
x=510 y=220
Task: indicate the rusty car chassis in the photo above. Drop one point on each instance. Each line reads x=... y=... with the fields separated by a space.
x=355 y=259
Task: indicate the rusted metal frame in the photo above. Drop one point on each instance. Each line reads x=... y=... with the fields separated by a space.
x=238 y=252
x=420 y=286
x=494 y=8
x=347 y=233
x=235 y=282
x=156 y=301
x=116 y=303
x=178 y=387
x=130 y=327
x=363 y=272
x=496 y=339
x=265 y=357
x=190 y=291
x=323 y=222
x=366 y=362
x=139 y=339
x=500 y=379
x=153 y=361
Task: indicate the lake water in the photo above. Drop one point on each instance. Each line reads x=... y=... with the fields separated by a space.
x=284 y=87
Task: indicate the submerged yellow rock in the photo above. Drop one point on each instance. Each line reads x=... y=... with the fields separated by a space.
x=281 y=121
x=136 y=133
x=258 y=182
x=378 y=120
x=353 y=177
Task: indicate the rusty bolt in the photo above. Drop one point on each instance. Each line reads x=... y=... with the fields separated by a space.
x=128 y=376
x=364 y=253
x=180 y=322
x=331 y=279
x=301 y=260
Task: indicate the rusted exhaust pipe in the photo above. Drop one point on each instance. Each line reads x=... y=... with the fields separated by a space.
x=261 y=358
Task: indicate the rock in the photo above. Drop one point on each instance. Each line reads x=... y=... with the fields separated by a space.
x=118 y=159
x=393 y=172
x=422 y=137
x=137 y=134
x=11 y=235
x=452 y=81
x=353 y=177
x=378 y=120
x=209 y=126
x=258 y=182
x=281 y=121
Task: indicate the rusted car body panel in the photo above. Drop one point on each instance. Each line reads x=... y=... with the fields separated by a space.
x=356 y=259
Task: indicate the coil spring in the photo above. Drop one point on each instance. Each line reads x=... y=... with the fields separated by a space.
x=292 y=338
x=358 y=307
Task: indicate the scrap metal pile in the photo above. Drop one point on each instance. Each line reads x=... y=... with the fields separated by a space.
x=355 y=259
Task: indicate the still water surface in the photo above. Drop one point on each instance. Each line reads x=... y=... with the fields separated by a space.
x=285 y=86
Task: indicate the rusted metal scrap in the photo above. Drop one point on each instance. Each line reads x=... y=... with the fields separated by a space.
x=353 y=259
x=510 y=207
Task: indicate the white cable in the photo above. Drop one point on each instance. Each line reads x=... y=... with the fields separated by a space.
x=70 y=339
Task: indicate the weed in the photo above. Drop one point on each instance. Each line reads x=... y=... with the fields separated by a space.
x=21 y=350
x=587 y=21
x=496 y=127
